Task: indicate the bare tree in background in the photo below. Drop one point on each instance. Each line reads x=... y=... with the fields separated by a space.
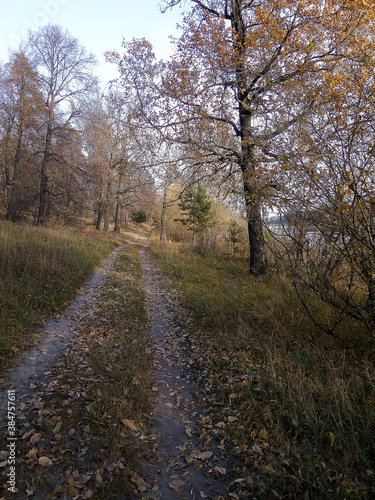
x=66 y=80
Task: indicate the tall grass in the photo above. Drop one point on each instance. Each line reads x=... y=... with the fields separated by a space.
x=40 y=270
x=258 y=351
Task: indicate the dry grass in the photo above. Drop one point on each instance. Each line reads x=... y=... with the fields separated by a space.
x=40 y=270
x=305 y=401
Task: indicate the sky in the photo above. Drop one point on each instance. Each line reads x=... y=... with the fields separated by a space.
x=99 y=25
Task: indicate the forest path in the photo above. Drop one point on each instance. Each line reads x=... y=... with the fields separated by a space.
x=183 y=461
x=32 y=369
x=186 y=463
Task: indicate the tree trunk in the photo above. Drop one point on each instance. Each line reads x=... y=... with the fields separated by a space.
x=163 y=235
x=44 y=177
x=6 y=164
x=12 y=202
x=258 y=261
x=106 y=214
x=117 y=227
x=99 y=216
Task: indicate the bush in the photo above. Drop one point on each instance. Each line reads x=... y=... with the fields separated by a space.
x=139 y=217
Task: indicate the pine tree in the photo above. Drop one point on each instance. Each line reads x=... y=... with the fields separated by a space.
x=197 y=210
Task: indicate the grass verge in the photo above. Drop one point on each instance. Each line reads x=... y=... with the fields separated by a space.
x=40 y=270
x=294 y=411
x=82 y=434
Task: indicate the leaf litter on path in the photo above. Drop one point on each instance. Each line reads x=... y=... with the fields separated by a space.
x=64 y=447
x=186 y=462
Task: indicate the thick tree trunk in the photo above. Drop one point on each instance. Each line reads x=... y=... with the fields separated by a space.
x=99 y=216
x=253 y=203
x=6 y=165
x=43 y=195
x=117 y=227
x=106 y=214
x=106 y=219
x=43 y=189
x=258 y=260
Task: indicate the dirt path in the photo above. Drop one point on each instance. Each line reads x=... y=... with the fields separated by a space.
x=187 y=463
x=33 y=367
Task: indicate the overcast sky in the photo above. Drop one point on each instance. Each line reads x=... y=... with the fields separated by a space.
x=99 y=25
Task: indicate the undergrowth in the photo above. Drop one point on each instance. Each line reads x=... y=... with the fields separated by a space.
x=304 y=406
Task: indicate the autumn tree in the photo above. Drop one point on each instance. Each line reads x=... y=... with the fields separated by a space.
x=116 y=153
x=66 y=80
x=23 y=83
x=139 y=217
x=239 y=80
x=328 y=202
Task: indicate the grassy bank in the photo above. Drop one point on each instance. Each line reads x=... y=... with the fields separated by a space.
x=294 y=411
x=40 y=270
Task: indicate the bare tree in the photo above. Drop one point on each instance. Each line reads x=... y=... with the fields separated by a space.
x=66 y=79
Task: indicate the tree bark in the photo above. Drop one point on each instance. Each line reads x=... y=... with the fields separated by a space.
x=258 y=261
x=117 y=227
x=106 y=214
x=99 y=216
x=12 y=202
x=163 y=235
x=44 y=180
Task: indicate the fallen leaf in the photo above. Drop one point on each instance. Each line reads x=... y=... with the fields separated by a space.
x=57 y=427
x=88 y=494
x=221 y=470
x=142 y=485
x=35 y=438
x=204 y=455
x=263 y=434
x=73 y=491
x=45 y=461
x=176 y=485
x=32 y=454
x=221 y=425
x=129 y=423
x=257 y=449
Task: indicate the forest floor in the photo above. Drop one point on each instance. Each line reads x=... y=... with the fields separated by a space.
x=118 y=351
